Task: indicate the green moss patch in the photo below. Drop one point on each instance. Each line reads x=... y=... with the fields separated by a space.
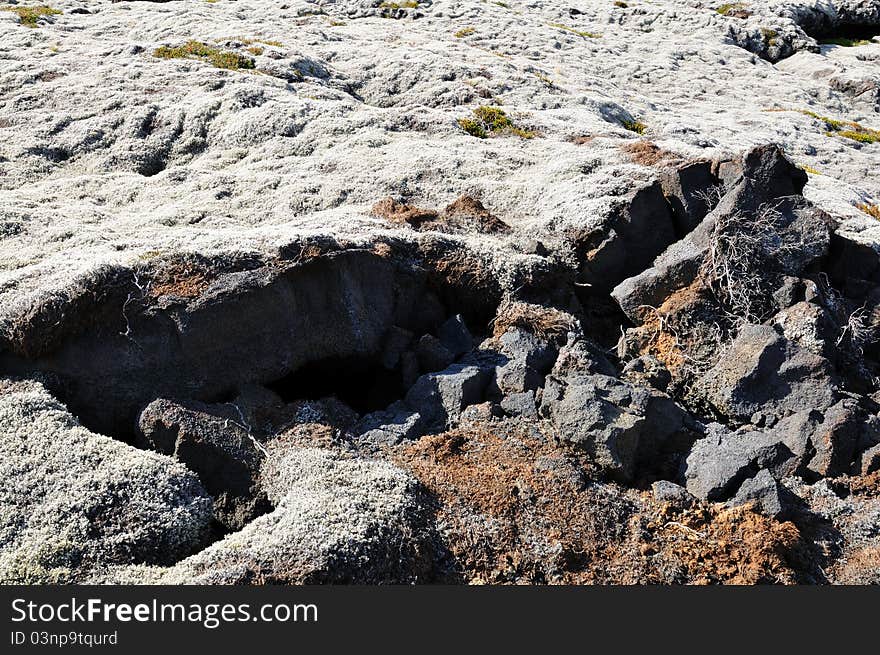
x=30 y=16
x=490 y=121
x=734 y=10
x=835 y=127
x=845 y=42
x=635 y=126
x=215 y=56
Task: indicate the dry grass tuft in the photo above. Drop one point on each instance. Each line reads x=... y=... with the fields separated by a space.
x=465 y=214
x=472 y=210
x=647 y=153
x=544 y=322
x=515 y=508
x=398 y=212
x=870 y=210
x=180 y=279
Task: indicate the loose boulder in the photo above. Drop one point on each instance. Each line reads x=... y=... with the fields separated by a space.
x=214 y=441
x=719 y=462
x=440 y=397
x=764 y=375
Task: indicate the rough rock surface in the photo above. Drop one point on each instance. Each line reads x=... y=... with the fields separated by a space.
x=447 y=290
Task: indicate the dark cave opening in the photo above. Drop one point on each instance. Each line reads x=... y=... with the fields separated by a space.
x=361 y=383
x=846 y=34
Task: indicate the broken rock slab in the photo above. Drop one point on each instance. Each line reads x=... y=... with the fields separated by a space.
x=828 y=442
x=72 y=500
x=432 y=354
x=767 y=177
x=624 y=428
x=527 y=360
x=455 y=336
x=212 y=441
x=719 y=462
x=689 y=189
x=520 y=404
x=764 y=492
x=669 y=492
x=639 y=229
x=440 y=397
x=389 y=427
x=762 y=374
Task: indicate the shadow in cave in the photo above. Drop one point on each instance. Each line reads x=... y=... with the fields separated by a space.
x=361 y=383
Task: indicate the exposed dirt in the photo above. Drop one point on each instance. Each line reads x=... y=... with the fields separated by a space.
x=465 y=214
x=545 y=322
x=515 y=508
x=646 y=153
x=180 y=279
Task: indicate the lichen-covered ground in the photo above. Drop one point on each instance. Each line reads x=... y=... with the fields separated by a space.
x=356 y=270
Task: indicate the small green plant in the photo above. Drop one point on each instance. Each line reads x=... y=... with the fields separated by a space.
x=464 y=31
x=809 y=169
x=734 y=9
x=256 y=50
x=30 y=16
x=870 y=210
x=769 y=36
x=586 y=35
x=835 y=127
x=635 y=126
x=489 y=121
x=407 y=4
x=473 y=127
x=845 y=42
x=198 y=50
x=249 y=41
x=862 y=136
